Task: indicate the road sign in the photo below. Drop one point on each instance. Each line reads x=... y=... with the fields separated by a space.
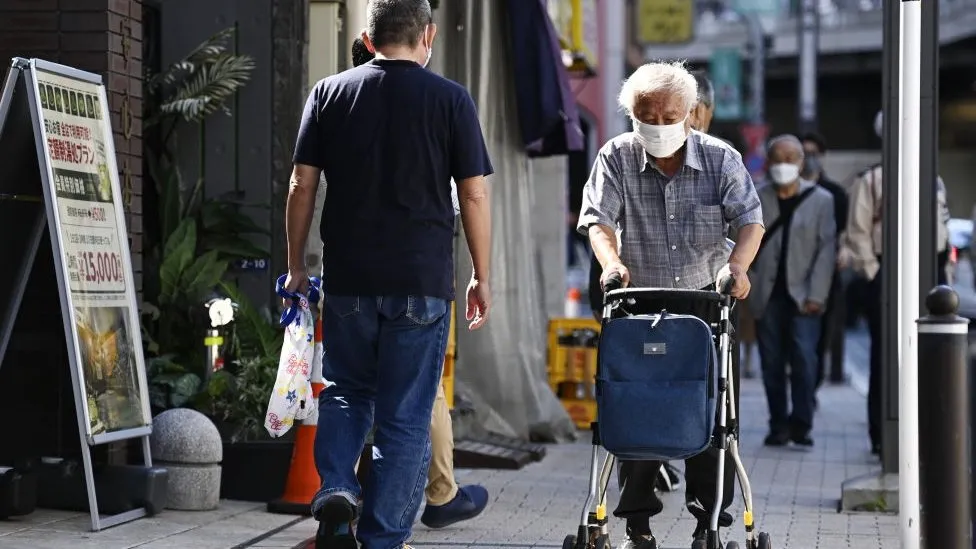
x=665 y=21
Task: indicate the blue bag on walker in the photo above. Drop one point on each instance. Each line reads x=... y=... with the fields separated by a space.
x=656 y=386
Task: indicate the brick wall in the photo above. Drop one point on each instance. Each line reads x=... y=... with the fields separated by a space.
x=100 y=36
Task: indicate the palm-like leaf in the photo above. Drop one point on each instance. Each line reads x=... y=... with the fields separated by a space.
x=202 y=54
x=201 y=83
x=206 y=90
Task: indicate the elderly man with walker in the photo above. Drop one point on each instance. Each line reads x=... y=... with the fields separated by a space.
x=657 y=208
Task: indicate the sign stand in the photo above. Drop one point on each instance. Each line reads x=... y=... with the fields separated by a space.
x=63 y=112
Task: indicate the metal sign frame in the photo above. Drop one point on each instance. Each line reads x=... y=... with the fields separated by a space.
x=24 y=70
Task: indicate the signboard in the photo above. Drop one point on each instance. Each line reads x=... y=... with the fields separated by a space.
x=64 y=113
x=665 y=21
x=725 y=70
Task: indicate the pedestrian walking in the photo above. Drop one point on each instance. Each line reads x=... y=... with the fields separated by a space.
x=832 y=325
x=792 y=276
x=671 y=194
x=862 y=250
x=389 y=136
x=447 y=503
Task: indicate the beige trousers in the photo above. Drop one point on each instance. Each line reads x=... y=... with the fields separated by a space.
x=441 y=487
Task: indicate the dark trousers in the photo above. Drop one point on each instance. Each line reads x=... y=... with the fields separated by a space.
x=873 y=307
x=788 y=337
x=832 y=334
x=638 y=501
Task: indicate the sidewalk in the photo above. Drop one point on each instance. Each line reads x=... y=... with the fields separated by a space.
x=796 y=496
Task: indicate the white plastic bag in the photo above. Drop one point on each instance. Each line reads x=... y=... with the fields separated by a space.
x=291 y=400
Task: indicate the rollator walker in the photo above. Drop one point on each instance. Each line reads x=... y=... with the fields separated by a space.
x=658 y=384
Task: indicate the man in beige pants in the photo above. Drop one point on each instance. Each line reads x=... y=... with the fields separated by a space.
x=447 y=503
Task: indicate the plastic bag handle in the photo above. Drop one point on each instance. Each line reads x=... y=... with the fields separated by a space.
x=291 y=313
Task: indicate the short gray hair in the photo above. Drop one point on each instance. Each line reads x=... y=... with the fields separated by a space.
x=668 y=77
x=785 y=138
x=706 y=94
x=397 y=22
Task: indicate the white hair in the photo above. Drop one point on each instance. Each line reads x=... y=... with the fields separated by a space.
x=668 y=77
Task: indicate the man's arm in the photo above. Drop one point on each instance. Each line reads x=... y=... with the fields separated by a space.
x=298 y=213
x=743 y=212
x=822 y=274
x=602 y=207
x=470 y=166
x=476 y=217
x=302 y=188
x=747 y=245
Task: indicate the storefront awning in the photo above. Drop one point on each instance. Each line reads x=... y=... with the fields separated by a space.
x=548 y=115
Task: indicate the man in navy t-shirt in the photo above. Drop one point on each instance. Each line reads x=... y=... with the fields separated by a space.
x=389 y=136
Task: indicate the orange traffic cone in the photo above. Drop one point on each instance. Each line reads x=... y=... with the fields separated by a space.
x=303 y=478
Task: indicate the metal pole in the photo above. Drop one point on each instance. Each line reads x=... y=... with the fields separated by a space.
x=613 y=66
x=758 y=74
x=809 y=35
x=943 y=418
x=908 y=195
x=891 y=53
x=928 y=163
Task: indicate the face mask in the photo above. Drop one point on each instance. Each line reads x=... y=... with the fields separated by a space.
x=661 y=141
x=811 y=164
x=430 y=51
x=784 y=173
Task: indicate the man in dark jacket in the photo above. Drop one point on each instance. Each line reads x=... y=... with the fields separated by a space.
x=832 y=329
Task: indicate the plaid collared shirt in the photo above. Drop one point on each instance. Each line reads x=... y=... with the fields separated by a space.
x=671 y=233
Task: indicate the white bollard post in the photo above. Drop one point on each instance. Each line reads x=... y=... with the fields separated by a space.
x=908 y=280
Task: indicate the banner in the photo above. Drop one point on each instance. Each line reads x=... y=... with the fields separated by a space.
x=92 y=238
x=754 y=157
x=725 y=70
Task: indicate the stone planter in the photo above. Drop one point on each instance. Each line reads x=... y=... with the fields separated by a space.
x=188 y=445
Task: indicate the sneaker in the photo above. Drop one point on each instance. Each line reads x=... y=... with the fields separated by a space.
x=469 y=502
x=336 y=516
x=668 y=480
x=639 y=542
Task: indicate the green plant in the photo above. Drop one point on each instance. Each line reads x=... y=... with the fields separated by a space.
x=190 y=244
x=176 y=321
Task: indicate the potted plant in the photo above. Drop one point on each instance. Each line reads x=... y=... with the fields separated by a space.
x=189 y=247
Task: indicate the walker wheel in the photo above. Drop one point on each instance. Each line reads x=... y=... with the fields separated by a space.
x=569 y=542
x=698 y=544
x=601 y=542
x=764 y=541
x=731 y=545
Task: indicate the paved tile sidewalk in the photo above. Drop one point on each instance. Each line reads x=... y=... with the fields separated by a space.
x=796 y=496
x=796 y=492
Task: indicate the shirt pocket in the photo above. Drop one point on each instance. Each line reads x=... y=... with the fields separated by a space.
x=707 y=224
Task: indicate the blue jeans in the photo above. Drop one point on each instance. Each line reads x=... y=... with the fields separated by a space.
x=384 y=356
x=785 y=336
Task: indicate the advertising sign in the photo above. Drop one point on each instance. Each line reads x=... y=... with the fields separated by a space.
x=92 y=238
x=725 y=70
x=665 y=21
x=65 y=180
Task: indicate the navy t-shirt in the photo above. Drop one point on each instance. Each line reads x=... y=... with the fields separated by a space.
x=389 y=135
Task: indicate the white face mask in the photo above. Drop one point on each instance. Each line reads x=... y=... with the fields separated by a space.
x=784 y=173
x=661 y=141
